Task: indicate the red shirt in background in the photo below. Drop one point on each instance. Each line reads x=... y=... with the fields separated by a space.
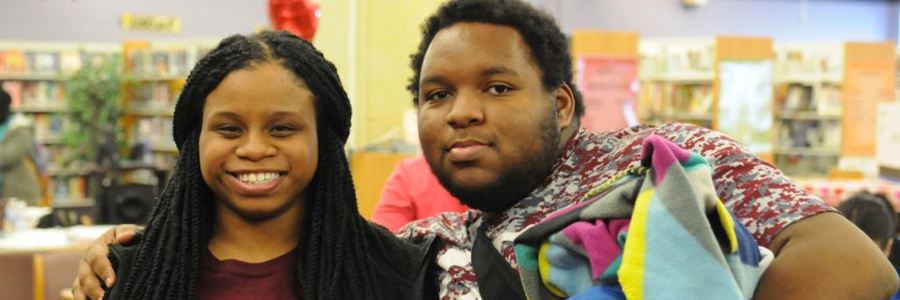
x=233 y=280
x=412 y=192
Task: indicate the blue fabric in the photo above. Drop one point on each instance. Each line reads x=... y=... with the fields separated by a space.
x=667 y=268
x=601 y=292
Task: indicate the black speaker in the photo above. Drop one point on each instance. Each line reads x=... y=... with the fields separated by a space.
x=128 y=204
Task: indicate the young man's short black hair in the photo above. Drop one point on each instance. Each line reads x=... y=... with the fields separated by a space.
x=548 y=45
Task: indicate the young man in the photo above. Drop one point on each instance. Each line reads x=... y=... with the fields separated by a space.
x=498 y=123
x=499 y=126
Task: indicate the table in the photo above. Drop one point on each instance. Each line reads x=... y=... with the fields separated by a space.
x=39 y=263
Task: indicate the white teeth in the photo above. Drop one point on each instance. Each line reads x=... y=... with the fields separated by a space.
x=257 y=178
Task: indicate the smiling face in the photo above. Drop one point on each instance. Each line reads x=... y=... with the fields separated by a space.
x=258 y=143
x=488 y=128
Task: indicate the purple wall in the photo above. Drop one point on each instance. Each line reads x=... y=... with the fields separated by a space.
x=98 y=20
x=826 y=20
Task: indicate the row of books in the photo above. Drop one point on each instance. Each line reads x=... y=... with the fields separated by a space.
x=151 y=96
x=662 y=59
x=15 y=61
x=54 y=156
x=35 y=94
x=823 y=99
x=826 y=60
x=48 y=127
x=156 y=62
x=692 y=98
x=70 y=188
x=153 y=131
x=816 y=134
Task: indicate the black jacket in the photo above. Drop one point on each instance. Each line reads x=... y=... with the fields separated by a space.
x=406 y=270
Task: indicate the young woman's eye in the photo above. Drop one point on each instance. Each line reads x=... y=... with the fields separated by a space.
x=283 y=129
x=228 y=130
x=498 y=89
x=437 y=95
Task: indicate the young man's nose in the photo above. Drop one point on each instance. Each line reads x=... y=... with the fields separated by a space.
x=466 y=109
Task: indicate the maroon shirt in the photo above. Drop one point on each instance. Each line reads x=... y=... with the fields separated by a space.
x=232 y=279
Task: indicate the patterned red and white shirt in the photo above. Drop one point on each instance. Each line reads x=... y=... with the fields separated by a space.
x=757 y=193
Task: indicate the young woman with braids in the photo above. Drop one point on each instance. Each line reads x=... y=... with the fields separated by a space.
x=261 y=204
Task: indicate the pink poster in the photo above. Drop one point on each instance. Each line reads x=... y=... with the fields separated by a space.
x=608 y=85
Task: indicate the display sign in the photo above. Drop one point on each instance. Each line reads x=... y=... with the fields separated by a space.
x=166 y=24
x=608 y=86
x=865 y=85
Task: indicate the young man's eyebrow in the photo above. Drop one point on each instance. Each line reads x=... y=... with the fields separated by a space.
x=498 y=70
x=435 y=79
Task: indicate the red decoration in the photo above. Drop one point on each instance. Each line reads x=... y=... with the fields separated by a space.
x=300 y=17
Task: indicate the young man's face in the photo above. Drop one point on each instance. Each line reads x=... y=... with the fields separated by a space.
x=488 y=127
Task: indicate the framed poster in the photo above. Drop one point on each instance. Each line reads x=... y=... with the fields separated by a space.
x=745 y=103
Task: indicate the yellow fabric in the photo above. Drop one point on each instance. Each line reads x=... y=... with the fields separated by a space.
x=631 y=274
x=544 y=268
x=728 y=225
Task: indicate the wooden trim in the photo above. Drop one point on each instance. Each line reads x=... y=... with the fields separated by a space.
x=743 y=48
x=370 y=171
x=855 y=51
x=38 y=264
x=604 y=43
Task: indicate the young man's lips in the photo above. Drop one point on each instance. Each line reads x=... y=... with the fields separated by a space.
x=466 y=153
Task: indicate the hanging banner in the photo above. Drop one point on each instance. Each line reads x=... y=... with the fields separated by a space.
x=866 y=83
x=167 y=24
x=745 y=103
x=608 y=86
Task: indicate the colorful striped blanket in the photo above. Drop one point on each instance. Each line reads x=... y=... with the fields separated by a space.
x=656 y=232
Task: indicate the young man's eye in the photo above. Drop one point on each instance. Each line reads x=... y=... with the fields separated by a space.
x=437 y=95
x=498 y=89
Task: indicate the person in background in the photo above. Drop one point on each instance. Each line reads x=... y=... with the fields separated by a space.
x=874 y=215
x=18 y=172
x=412 y=192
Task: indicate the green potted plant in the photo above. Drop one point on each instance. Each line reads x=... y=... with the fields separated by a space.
x=94 y=109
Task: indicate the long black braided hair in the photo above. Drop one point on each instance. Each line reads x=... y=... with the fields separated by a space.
x=333 y=245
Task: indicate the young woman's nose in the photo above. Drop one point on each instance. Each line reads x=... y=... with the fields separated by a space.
x=255 y=147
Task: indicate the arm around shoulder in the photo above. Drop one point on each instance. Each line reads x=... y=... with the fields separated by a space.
x=826 y=257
